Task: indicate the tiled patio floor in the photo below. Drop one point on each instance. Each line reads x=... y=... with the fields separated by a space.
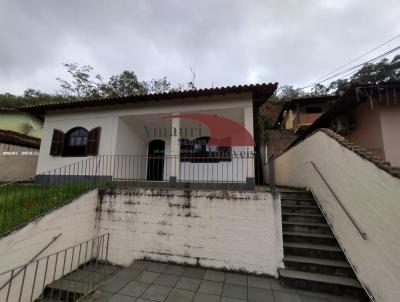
x=153 y=281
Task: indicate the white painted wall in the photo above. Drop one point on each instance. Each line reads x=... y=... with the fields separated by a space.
x=231 y=230
x=371 y=195
x=77 y=223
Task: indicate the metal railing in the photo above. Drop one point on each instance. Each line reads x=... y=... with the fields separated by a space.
x=44 y=277
x=351 y=218
x=24 y=200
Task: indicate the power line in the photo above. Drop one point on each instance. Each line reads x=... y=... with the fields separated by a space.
x=359 y=57
x=362 y=64
x=355 y=67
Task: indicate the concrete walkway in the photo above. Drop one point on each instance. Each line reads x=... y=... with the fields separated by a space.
x=153 y=281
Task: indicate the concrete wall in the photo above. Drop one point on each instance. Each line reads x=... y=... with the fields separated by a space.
x=232 y=230
x=75 y=221
x=276 y=141
x=368 y=131
x=21 y=122
x=17 y=162
x=371 y=196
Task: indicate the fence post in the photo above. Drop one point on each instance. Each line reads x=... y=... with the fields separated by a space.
x=271 y=174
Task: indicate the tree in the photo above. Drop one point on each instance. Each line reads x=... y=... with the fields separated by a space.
x=122 y=85
x=384 y=70
x=288 y=92
x=82 y=84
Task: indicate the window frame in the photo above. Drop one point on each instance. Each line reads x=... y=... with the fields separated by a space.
x=203 y=154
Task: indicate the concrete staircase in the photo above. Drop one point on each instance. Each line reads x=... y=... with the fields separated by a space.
x=312 y=256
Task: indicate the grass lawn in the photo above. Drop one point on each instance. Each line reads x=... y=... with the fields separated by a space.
x=21 y=202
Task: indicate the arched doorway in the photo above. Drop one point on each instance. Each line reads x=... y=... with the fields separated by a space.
x=155 y=160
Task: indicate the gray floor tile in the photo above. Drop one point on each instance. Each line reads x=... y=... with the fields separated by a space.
x=143 y=300
x=77 y=275
x=214 y=276
x=234 y=291
x=107 y=269
x=166 y=280
x=157 y=267
x=99 y=296
x=147 y=277
x=286 y=297
x=157 y=293
x=260 y=295
x=121 y=298
x=226 y=299
x=203 y=297
x=238 y=279
x=126 y=274
x=194 y=272
x=94 y=278
x=211 y=287
x=113 y=285
x=69 y=285
x=134 y=289
x=180 y=295
x=259 y=282
x=140 y=264
x=177 y=270
x=188 y=283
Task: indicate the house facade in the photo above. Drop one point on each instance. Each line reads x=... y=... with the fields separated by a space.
x=300 y=113
x=190 y=136
x=368 y=116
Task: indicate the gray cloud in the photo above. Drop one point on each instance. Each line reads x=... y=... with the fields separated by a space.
x=226 y=41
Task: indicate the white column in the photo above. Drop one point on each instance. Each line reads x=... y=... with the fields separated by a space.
x=248 y=124
x=175 y=147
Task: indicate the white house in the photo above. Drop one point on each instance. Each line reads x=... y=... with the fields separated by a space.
x=137 y=139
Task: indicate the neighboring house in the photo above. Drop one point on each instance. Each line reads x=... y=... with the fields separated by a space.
x=368 y=116
x=21 y=122
x=165 y=148
x=300 y=113
x=18 y=155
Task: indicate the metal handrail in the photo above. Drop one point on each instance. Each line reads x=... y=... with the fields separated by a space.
x=352 y=219
x=30 y=261
x=39 y=273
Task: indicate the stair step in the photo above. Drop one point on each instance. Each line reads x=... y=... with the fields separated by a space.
x=303 y=217
x=301 y=209
x=310 y=227
x=306 y=237
x=301 y=194
x=318 y=265
x=298 y=201
x=322 y=283
x=332 y=252
x=322 y=278
x=318 y=261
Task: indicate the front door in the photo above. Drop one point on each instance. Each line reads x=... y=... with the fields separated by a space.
x=155 y=160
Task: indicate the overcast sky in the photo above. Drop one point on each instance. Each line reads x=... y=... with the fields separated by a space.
x=226 y=42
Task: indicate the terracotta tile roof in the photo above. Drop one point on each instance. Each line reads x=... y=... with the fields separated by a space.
x=15 y=138
x=258 y=90
x=376 y=160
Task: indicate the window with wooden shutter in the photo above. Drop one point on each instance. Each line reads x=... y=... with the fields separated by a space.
x=92 y=146
x=57 y=143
